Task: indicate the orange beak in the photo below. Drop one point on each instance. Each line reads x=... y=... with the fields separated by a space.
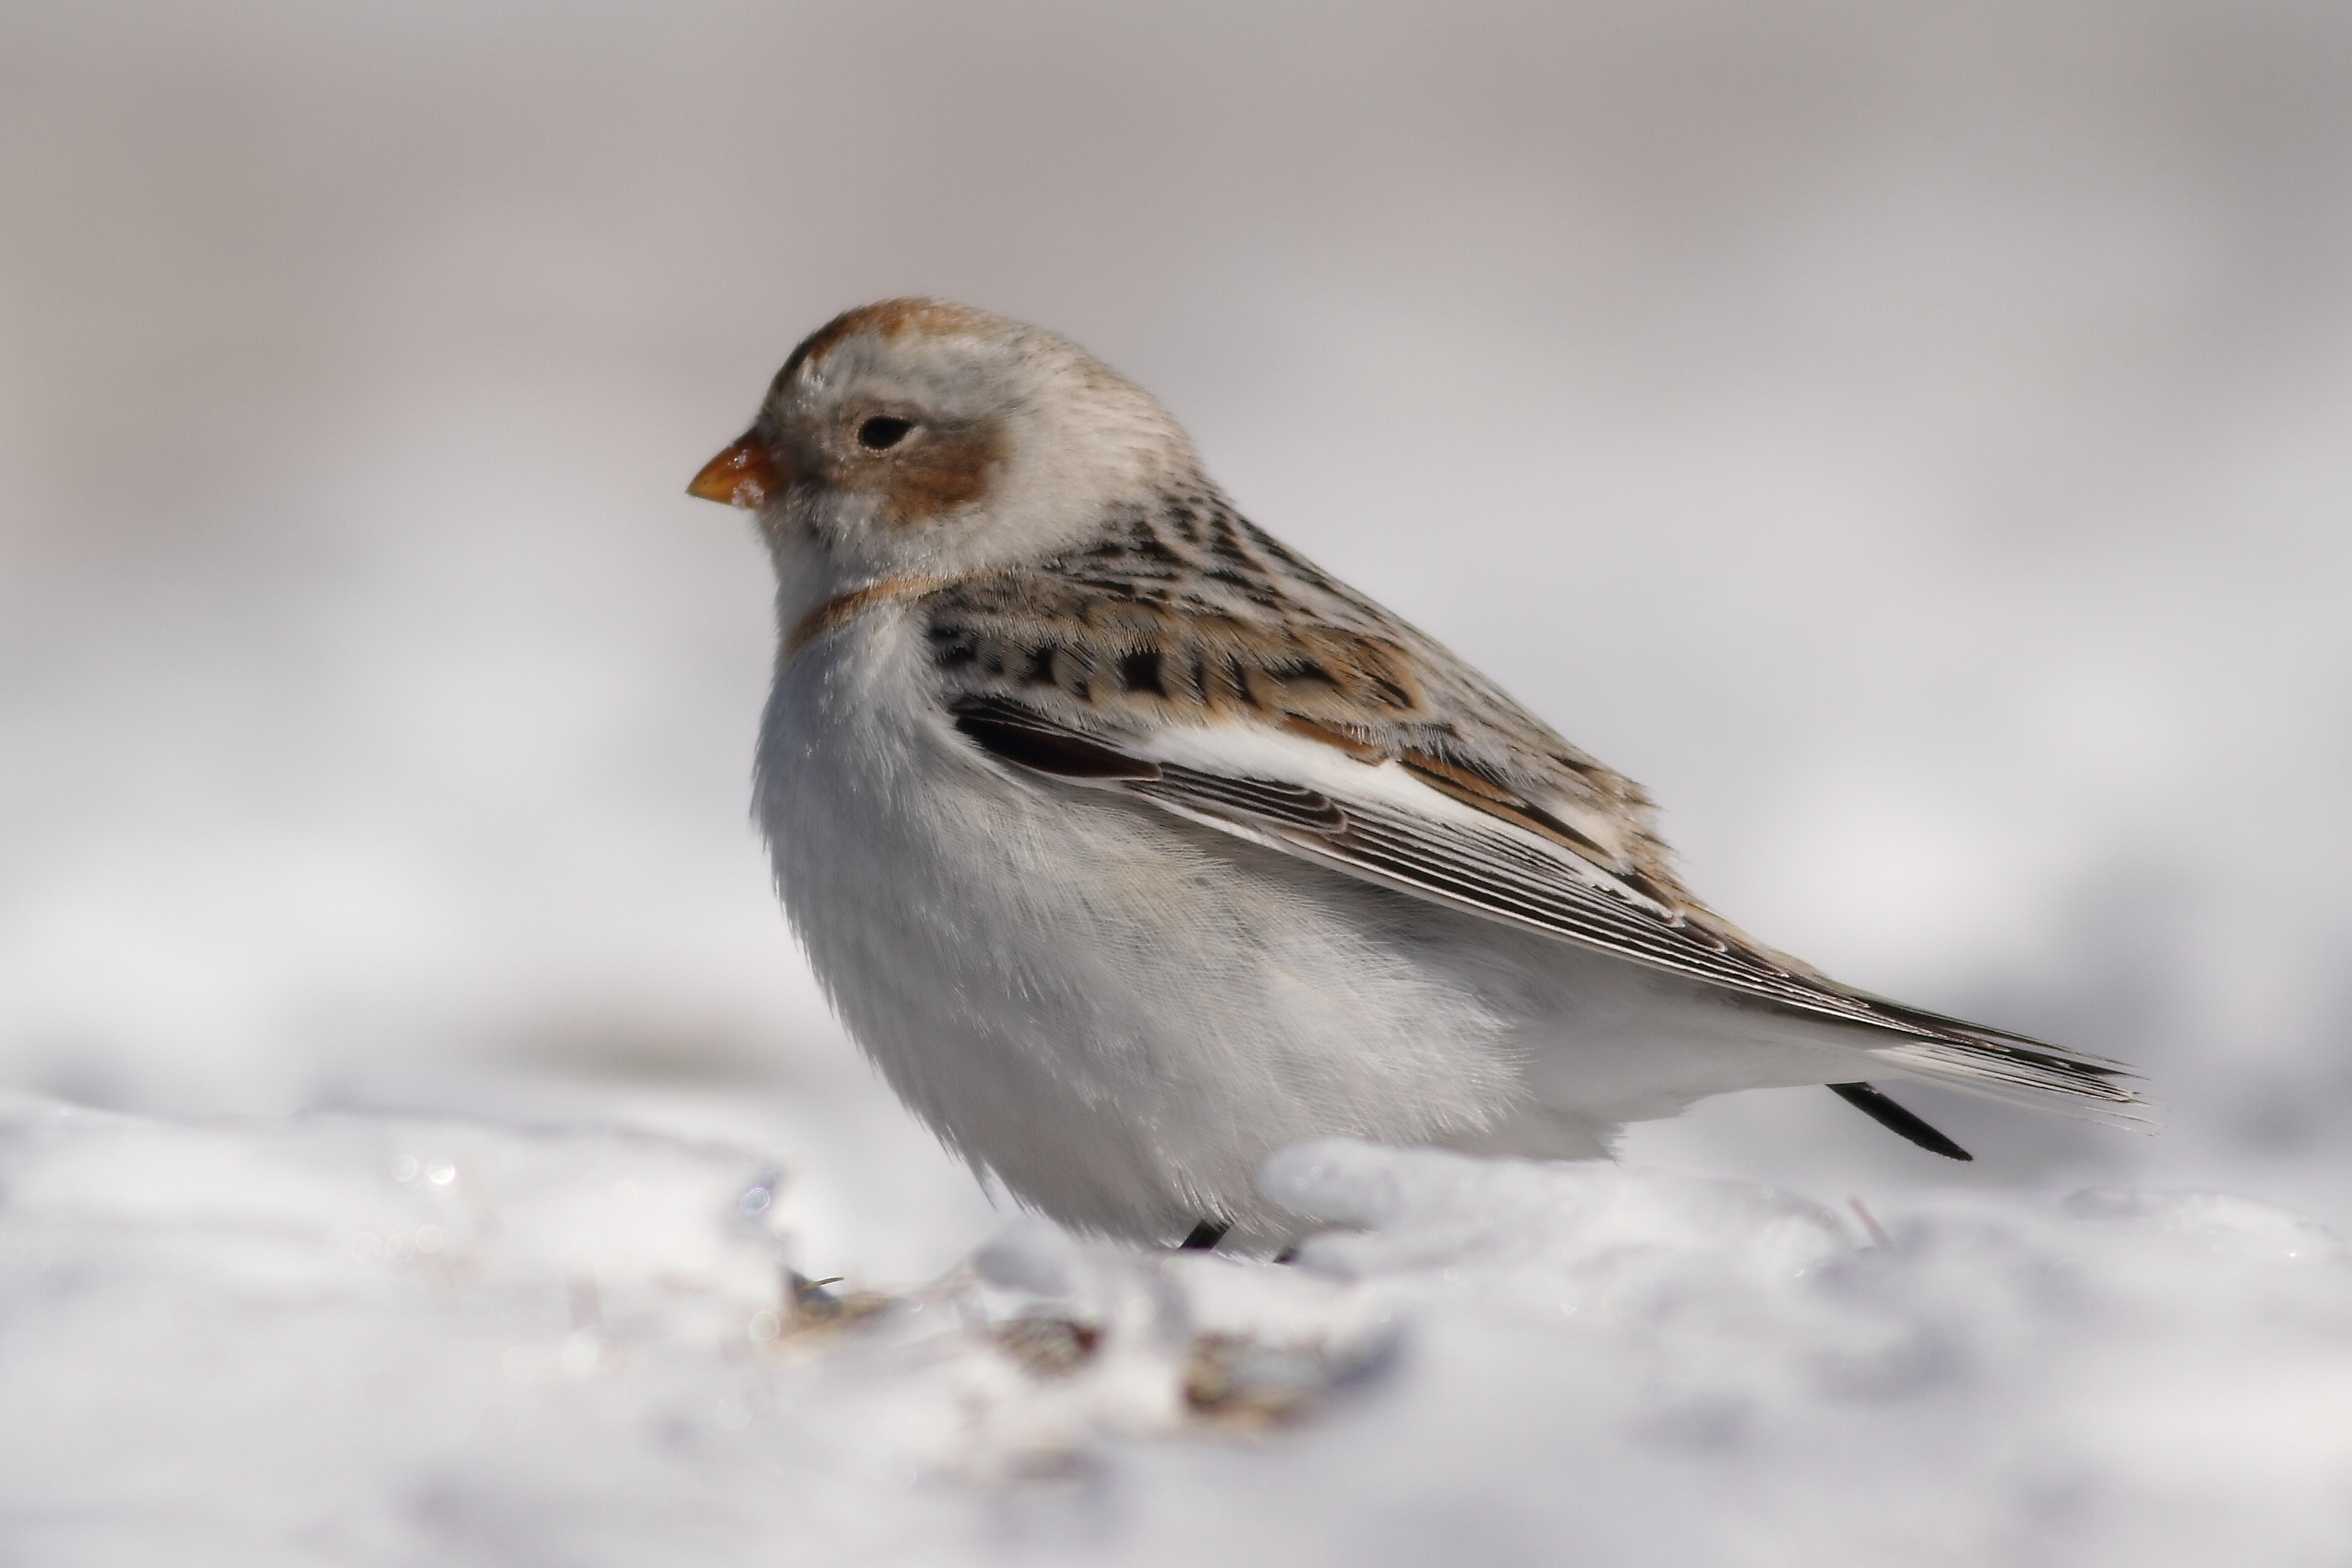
x=743 y=475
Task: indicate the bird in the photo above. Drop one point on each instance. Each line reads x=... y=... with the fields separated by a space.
x=1130 y=845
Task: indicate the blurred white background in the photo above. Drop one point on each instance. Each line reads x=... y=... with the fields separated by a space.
x=1912 y=440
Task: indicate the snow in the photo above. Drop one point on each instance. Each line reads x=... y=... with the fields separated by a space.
x=363 y=1338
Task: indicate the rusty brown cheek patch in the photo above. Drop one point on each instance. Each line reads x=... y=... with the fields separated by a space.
x=939 y=472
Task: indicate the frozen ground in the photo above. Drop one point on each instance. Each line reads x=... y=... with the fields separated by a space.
x=359 y=1340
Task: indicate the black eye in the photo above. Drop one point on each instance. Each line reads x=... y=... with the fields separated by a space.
x=882 y=432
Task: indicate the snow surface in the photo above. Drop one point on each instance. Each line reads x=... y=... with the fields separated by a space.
x=358 y=1339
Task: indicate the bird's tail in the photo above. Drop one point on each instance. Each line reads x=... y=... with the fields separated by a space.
x=2000 y=1064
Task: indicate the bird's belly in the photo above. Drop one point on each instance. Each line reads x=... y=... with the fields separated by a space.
x=1118 y=1011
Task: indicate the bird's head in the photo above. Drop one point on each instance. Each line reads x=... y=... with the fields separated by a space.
x=918 y=436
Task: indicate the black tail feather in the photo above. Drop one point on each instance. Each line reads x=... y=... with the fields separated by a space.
x=1896 y=1119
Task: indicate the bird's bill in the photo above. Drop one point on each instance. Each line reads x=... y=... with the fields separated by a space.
x=743 y=475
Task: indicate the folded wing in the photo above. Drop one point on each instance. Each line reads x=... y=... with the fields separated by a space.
x=1386 y=823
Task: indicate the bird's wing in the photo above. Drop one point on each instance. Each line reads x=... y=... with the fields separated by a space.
x=1183 y=615
x=1385 y=826
x=1193 y=663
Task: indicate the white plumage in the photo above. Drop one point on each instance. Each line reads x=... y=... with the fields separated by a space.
x=1132 y=846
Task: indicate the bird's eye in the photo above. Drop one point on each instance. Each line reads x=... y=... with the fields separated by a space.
x=882 y=432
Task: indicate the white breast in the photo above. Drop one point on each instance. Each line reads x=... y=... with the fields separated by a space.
x=1118 y=1011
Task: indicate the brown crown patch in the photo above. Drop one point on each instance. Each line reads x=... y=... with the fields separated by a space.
x=888 y=318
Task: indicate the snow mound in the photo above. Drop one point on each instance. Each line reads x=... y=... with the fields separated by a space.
x=363 y=1340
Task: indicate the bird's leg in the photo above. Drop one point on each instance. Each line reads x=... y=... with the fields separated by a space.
x=1898 y=1121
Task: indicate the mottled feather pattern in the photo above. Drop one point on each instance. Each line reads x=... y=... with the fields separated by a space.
x=1184 y=613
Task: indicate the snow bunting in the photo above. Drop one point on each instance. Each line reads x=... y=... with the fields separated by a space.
x=1131 y=846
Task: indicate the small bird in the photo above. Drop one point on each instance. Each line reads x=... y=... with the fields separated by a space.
x=1131 y=846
